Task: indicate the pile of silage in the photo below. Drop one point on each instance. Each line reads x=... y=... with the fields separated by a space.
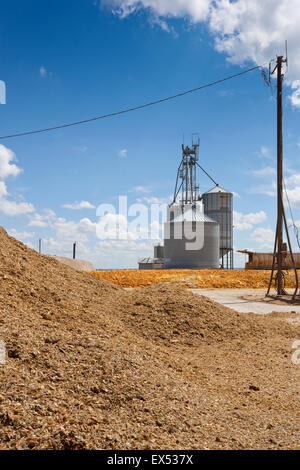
x=91 y=366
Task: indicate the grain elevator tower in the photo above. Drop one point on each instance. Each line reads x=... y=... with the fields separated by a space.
x=186 y=217
x=198 y=232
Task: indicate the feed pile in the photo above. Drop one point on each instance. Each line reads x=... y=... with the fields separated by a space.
x=91 y=366
x=189 y=278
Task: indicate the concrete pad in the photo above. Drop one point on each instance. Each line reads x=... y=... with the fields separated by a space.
x=233 y=298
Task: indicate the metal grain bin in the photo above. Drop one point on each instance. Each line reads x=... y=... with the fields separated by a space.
x=218 y=205
x=159 y=251
x=177 y=256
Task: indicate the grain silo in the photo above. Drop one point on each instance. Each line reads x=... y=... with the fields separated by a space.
x=198 y=232
x=218 y=205
x=191 y=237
x=159 y=252
x=182 y=249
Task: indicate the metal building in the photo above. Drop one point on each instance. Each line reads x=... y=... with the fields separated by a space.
x=218 y=204
x=198 y=232
x=151 y=263
x=264 y=261
x=186 y=218
x=182 y=249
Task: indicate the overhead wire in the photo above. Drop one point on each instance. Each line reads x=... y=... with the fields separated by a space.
x=128 y=110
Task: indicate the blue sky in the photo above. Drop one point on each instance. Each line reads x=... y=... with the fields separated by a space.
x=64 y=61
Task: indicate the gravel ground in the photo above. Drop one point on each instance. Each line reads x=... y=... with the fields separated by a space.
x=91 y=366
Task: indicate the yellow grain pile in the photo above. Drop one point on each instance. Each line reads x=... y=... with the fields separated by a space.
x=206 y=278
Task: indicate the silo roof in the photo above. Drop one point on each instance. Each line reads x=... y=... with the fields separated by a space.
x=217 y=189
x=192 y=216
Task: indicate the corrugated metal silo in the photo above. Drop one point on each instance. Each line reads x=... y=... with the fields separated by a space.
x=218 y=205
x=159 y=252
x=178 y=254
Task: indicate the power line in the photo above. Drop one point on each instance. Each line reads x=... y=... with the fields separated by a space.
x=128 y=110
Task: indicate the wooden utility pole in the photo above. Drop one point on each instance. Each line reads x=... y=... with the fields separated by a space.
x=280 y=248
x=280 y=288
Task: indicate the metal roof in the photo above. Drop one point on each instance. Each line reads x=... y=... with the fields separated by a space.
x=218 y=189
x=146 y=261
x=193 y=216
x=151 y=260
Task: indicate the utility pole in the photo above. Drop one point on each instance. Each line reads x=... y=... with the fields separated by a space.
x=280 y=248
x=40 y=245
x=280 y=289
x=74 y=250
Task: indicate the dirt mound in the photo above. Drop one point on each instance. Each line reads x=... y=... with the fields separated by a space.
x=166 y=314
x=88 y=367
x=78 y=264
x=38 y=282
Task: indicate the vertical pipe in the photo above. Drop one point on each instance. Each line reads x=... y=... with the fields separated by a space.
x=40 y=245
x=186 y=179
x=279 y=176
x=74 y=250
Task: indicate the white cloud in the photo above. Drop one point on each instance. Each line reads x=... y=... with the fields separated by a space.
x=70 y=230
x=244 y=30
x=293 y=180
x=64 y=229
x=265 y=237
x=79 y=205
x=263 y=172
x=7 y=168
x=38 y=221
x=123 y=153
x=20 y=235
x=265 y=152
x=64 y=233
x=43 y=71
x=294 y=197
x=269 y=189
x=295 y=96
x=246 y=221
x=13 y=208
x=47 y=219
x=292 y=184
x=3 y=189
x=141 y=189
x=155 y=200
x=256 y=30
x=197 y=10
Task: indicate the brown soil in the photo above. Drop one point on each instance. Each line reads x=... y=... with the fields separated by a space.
x=91 y=366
